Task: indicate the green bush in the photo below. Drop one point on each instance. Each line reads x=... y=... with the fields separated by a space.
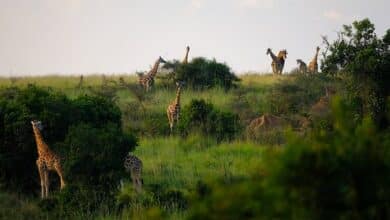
x=202 y=117
x=86 y=132
x=17 y=145
x=202 y=73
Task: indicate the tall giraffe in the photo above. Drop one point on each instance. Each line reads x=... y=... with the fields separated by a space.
x=313 y=65
x=185 y=60
x=134 y=165
x=47 y=160
x=147 y=80
x=302 y=67
x=277 y=61
x=173 y=110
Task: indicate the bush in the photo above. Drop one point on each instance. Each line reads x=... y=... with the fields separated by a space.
x=201 y=73
x=202 y=117
x=17 y=146
x=85 y=131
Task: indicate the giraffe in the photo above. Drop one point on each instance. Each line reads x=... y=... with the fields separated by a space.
x=133 y=165
x=173 y=110
x=147 y=81
x=313 y=65
x=47 y=160
x=277 y=61
x=302 y=67
x=185 y=60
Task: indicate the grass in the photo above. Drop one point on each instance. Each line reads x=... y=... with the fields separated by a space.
x=174 y=164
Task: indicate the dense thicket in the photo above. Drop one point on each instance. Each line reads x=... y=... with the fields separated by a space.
x=86 y=132
x=363 y=59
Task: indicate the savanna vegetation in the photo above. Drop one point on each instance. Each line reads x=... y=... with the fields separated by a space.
x=257 y=146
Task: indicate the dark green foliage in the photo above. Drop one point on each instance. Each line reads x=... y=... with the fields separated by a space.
x=337 y=174
x=17 y=146
x=202 y=73
x=358 y=54
x=94 y=156
x=95 y=110
x=13 y=207
x=202 y=117
x=86 y=132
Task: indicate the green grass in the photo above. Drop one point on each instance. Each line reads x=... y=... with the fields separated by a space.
x=172 y=163
x=180 y=164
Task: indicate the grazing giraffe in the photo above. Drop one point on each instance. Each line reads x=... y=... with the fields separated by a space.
x=277 y=61
x=302 y=67
x=185 y=60
x=133 y=165
x=147 y=80
x=47 y=160
x=313 y=65
x=173 y=110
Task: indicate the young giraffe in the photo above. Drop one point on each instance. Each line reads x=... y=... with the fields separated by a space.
x=133 y=165
x=147 y=80
x=47 y=160
x=277 y=61
x=173 y=110
x=313 y=65
x=185 y=60
x=302 y=67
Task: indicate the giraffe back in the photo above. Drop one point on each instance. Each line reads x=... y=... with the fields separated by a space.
x=133 y=164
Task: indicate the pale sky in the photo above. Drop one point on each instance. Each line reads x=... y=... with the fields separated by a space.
x=111 y=36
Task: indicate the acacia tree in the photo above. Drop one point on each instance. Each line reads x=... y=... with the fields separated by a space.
x=363 y=58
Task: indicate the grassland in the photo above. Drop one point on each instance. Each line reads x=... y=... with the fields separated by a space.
x=173 y=164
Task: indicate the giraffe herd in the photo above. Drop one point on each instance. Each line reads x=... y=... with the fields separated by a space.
x=50 y=161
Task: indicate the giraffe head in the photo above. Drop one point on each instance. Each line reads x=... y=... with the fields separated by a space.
x=299 y=61
x=161 y=60
x=269 y=51
x=37 y=124
x=188 y=48
x=180 y=84
x=283 y=53
x=318 y=48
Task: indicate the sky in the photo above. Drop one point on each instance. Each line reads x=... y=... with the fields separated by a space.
x=124 y=36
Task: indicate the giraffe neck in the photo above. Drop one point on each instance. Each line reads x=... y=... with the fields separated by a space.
x=315 y=56
x=153 y=71
x=41 y=145
x=177 y=100
x=274 y=58
x=185 y=60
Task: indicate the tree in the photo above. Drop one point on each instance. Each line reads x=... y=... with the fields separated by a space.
x=363 y=58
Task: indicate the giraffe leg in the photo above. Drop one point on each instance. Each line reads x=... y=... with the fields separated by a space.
x=133 y=179
x=58 y=169
x=42 y=178
x=47 y=183
x=170 y=120
x=138 y=185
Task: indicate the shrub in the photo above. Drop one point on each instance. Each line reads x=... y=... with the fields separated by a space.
x=202 y=73
x=17 y=146
x=202 y=117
